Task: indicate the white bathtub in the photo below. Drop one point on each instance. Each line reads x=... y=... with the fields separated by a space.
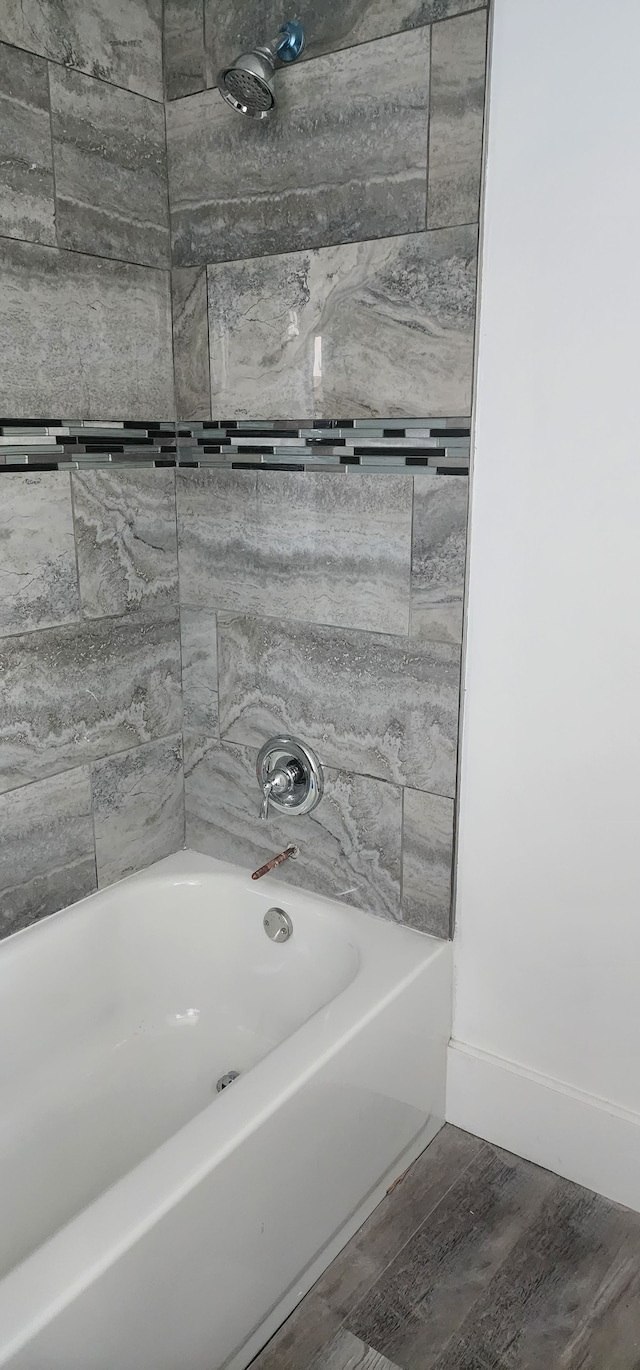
x=148 y=1223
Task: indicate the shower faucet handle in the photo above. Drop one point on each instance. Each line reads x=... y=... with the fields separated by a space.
x=289 y=775
x=280 y=783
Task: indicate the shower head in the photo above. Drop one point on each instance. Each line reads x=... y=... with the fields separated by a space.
x=248 y=84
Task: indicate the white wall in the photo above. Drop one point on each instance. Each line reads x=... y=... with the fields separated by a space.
x=548 y=904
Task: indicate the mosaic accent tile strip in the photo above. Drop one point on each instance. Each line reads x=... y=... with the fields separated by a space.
x=342 y=446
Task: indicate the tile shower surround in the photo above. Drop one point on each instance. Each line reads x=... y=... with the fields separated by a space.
x=355 y=266
x=345 y=629
x=325 y=261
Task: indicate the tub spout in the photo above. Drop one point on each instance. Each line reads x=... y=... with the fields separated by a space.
x=288 y=854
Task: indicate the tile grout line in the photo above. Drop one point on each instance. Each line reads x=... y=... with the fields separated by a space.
x=324 y=246
x=68 y=66
x=53 y=164
x=348 y=47
x=95 y=256
x=81 y=614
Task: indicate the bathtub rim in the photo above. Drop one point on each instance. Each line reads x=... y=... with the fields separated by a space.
x=62 y=1267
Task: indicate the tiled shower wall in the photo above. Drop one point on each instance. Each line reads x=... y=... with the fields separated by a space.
x=91 y=782
x=325 y=259
x=323 y=605
x=324 y=270
x=330 y=608
x=85 y=316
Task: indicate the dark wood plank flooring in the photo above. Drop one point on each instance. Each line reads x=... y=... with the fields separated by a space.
x=477 y=1260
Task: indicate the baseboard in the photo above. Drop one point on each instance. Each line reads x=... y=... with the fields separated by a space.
x=576 y=1135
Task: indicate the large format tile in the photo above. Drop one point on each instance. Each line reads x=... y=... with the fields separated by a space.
x=378 y=705
x=198 y=642
x=427 y=855
x=75 y=694
x=378 y=328
x=184 y=57
x=217 y=519
x=349 y=846
x=54 y=361
x=111 y=170
x=126 y=540
x=455 y=130
x=138 y=808
x=232 y=26
x=26 y=164
x=311 y=546
x=438 y=562
x=345 y=159
x=37 y=554
x=120 y=42
x=191 y=342
x=436 y=1279
x=46 y=857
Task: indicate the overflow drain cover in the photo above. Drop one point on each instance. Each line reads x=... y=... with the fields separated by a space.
x=227 y=1079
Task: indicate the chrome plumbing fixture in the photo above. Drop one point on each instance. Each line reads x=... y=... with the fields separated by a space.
x=289 y=775
x=248 y=84
x=277 y=925
x=227 y=1079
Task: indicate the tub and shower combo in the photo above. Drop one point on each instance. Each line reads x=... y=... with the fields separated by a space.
x=150 y=1219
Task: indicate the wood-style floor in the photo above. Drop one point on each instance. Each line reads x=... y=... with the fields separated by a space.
x=477 y=1260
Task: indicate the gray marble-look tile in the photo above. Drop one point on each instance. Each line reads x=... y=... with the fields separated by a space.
x=439 y=552
x=217 y=519
x=74 y=694
x=126 y=540
x=403 y=1210
x=307 y=546
x=198 y=637
x=184 y=56
x=382 y=328
x=349 y=846
x=427 y=854
x=345 y=159
x=84 y=336
x=191 y=342
x=37 y=555
x=458 y=63
x=138 y=808
x=120 y=42
x=436 y=1279
x=232 y=26
x=111 y=170
x=26 y=164
x=370 y=703
x=47 y=858
x=346 y=1352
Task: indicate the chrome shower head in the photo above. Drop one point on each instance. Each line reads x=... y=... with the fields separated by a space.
x=248 y=84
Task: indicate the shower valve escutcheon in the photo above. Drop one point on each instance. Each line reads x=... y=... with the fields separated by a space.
x=289 y=775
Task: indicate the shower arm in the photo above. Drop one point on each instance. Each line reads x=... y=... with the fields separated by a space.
x=286 y=46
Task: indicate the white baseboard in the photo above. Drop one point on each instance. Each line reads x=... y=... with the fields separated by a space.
x=576 y=1135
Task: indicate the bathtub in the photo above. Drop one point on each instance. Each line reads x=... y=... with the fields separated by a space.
x=149 y=1222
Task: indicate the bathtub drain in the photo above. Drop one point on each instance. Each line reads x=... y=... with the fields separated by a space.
x=227 y=1079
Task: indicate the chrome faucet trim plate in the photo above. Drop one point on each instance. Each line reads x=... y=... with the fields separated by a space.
x=289 y=775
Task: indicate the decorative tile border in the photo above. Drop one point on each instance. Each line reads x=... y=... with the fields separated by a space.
x=342 y=446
